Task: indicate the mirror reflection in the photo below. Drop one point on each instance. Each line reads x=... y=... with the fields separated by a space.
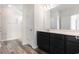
x=65 y=16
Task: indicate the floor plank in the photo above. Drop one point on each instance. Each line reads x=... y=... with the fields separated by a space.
x=40 y=51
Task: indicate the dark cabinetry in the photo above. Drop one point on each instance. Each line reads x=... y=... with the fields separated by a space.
x=43 y=40
x=72 y=44
x=58 y=43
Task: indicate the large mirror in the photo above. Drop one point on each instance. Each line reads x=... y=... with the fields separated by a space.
x=65 y=16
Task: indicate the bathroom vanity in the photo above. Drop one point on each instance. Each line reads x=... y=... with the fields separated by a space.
x=58 y=41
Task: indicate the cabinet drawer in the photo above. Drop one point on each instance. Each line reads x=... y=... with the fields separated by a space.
x=58 y=36
x=43 y=33
x=72 y=38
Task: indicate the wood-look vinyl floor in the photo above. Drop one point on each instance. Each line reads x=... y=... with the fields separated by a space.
x=40 y=51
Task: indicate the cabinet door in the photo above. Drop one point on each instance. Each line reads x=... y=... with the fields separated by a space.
x=43 y=40
x=57 y=43
x=72 y=45
x=58 y=46
x=52 y=42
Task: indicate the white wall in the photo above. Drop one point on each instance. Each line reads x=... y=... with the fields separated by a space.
x=41 y=18
x=18 y=23
x=22 y=22
x=35 y=17
x=0 y=32
x=10 y=21
x=13 y=20
x=2 y=23
x=28 y=26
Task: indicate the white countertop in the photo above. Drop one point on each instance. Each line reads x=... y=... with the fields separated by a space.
x=66 y=32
